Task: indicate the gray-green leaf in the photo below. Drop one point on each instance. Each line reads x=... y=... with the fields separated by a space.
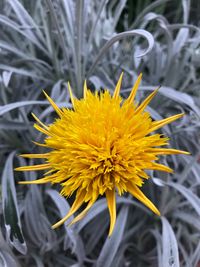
x=10 y=208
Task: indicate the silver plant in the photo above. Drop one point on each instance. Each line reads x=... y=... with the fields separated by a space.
x=44 y=44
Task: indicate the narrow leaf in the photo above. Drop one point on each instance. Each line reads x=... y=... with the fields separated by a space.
x=112 y=243
x=170 y=255
x=10 y=208
x=11 y=106
x=188 y=194
x=120 y=36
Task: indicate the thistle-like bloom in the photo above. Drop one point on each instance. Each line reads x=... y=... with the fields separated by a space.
x=101 y=147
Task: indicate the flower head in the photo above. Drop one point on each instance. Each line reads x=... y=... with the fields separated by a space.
x=102 y=147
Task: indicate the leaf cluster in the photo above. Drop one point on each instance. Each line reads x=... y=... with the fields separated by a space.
x=44 y=44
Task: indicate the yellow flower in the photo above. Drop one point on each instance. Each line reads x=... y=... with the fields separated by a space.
x=102 y=146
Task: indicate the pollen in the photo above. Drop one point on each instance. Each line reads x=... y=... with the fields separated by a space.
x=101 y=147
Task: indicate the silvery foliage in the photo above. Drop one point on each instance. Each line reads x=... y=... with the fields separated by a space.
x=44 y=44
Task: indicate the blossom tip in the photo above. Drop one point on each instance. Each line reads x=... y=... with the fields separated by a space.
x=21 y=182
x=44 y=93
x=26 y=182
x=158 y=213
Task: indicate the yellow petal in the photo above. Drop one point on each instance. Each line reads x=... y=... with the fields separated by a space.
x=39 y=144
x=56 y=108
x=167 y=151
x=118 y=87
x=36 y=126
x=34 y=167
x=143 y=105
x=39 y=121
x=111 y=201
x=38 y=181
x=76 y=205
x=71 y=94
x=35 y=156
x=83 y=213
x=134 y=90
x=158 y=124
x=85 y=90
x=160 y=167
x=137 y=193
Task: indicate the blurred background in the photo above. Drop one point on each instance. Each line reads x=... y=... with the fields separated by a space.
x=43 y=45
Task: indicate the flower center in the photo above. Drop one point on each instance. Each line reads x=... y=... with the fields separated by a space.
x=108 y=165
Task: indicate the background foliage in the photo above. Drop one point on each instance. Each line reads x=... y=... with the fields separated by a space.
x=44 y=44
